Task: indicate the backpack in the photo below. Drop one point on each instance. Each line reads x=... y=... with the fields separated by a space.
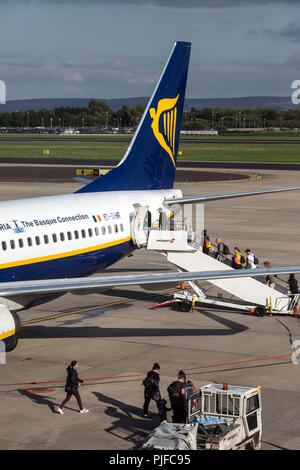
x=256 y=260
x=188 y=390
x=173 y=389
x=225 y=249
x=207 y=242
x=242 y=259
x=149 y=382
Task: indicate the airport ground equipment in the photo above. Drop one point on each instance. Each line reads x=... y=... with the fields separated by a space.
x=221 y=416
x=186 y=299
x=187 y=256
x=172 y=436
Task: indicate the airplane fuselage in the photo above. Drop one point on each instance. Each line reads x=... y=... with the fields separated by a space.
x=70 y=235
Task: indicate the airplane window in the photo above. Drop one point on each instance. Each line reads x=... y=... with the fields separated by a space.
x=103 y=230
x=90 y=232
x=12 y=244
x=76 y=234
x=37 y=240
x=116 y=228
x=109 y=229
x=96 y=231
x=29 y=241
x=62 y=236
x=122 y=227
x=21 y=243
x=69 y=235
x=4 y=247
x=46 y=239
x=83 y=233
x=54 y=237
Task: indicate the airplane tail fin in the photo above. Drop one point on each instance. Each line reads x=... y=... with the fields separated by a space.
x=150 y=161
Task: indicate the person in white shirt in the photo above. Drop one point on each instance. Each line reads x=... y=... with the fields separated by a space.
x=250 y=260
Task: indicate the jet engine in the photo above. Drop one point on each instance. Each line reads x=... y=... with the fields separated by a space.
x=9 y=326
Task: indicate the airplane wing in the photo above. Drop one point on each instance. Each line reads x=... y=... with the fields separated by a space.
x=216 y=197
x=95 y=284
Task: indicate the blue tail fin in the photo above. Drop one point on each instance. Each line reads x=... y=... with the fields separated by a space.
x=150 y=161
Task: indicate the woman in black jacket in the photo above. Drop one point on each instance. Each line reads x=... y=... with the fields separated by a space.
x=151 y=384
x=71 y=388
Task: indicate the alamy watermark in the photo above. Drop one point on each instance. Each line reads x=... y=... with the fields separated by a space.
x=296 y=94
x=2 y=92
x=2 y=353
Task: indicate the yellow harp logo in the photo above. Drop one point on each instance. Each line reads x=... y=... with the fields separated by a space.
x=167 y=109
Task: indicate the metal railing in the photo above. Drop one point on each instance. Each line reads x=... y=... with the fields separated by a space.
x=287 y=304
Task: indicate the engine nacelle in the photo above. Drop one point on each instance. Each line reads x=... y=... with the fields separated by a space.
x=9 y=326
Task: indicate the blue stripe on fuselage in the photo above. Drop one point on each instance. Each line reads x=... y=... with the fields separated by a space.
x=77 y=265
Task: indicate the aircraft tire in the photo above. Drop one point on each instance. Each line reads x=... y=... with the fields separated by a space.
x=17 y=321
x=260 y=311
x=185 y=306
x=12 y=344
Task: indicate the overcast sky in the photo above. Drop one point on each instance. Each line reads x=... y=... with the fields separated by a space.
x=117 y=48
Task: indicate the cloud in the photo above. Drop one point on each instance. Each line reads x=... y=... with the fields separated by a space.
x=132 y=72
x=75 y=77
x=96 y=64
x=290 y=32
x=18 y=61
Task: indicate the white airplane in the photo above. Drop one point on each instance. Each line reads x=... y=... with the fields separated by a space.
x=49 y=245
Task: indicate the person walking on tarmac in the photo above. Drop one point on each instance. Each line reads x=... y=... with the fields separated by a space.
x=71 y=388
x=151 y=384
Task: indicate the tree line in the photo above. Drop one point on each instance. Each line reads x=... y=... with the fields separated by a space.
x=99 y=114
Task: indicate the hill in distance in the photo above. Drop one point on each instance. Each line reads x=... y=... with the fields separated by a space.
x=277 y=103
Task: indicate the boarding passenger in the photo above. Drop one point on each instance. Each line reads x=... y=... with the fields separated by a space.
x=250 y=258
x=162 y=220
x=151 y=384
x=206 y=248
x=294 y=290
x=237 y=259
x=188 y=228
x=71 y=387
x=269 y=278
x=219 y=255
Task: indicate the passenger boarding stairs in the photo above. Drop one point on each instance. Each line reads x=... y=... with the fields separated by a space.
x=188 y=256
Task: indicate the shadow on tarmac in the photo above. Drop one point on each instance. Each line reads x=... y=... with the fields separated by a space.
x=231 y=328
x=39 y=399
x=46 y=400
x=129 y=423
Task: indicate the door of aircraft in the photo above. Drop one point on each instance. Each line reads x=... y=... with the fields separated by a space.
x=140 y=226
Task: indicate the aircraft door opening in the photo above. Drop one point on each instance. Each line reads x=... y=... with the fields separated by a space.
x=140 y=226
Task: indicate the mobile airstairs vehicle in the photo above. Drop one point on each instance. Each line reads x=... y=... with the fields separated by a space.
x=220 y=417
x=250 y=293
